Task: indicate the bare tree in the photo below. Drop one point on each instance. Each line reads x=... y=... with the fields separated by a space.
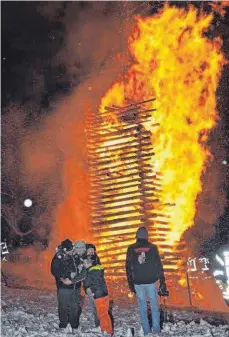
x=13 y=212
x=12 y=208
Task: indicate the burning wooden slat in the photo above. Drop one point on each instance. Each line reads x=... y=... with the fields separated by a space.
x=110 y=173
x=132 y=202
x=125 y=186
x=125 y=157
x=133 y=104
x=128 y=161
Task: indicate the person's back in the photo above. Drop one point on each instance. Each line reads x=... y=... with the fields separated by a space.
x=144 y=269
x=145 y=262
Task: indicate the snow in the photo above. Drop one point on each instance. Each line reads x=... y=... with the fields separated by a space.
x=33 y=313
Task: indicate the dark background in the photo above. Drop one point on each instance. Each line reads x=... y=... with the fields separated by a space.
x=30 y=42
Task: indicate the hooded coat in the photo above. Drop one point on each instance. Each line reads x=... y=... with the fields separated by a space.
x=143 y=263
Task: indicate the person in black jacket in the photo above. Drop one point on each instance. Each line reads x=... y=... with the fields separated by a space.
x=91 y=252
x=96 y=288
x=84 y=250
x=144 y=269
x=63 y=266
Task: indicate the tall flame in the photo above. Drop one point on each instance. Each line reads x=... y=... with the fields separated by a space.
x=176 y=63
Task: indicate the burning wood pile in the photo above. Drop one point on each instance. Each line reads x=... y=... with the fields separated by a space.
x=143 y=173
x=125 y=187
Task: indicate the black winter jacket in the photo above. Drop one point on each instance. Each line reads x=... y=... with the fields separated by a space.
x=62 y=267
x=96 y=282
x=143 y=264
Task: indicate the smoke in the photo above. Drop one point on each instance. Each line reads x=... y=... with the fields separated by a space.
x=56 y=152
x=212 y=201
x=52 y=159
x=95 y=32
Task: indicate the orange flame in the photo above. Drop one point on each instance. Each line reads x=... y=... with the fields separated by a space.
x=174 y=62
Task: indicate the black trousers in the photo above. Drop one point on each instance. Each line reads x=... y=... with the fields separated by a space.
x=68 y=307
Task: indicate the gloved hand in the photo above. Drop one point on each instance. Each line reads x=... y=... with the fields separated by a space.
x=163 y=291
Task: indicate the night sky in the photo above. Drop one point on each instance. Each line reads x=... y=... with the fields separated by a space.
x=32 y=35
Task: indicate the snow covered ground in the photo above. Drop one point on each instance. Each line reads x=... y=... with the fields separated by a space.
x=30 y=313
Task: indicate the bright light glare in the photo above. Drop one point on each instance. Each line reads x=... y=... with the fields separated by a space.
x=28 y=202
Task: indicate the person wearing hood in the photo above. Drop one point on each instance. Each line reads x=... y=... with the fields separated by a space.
x=143 y=269
x=63 y=265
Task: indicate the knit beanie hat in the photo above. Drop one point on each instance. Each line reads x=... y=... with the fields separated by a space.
x=66 y=245
x=79 y=245
x=142 y=233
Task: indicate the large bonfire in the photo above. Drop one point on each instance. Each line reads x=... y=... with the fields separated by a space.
x=173 y=61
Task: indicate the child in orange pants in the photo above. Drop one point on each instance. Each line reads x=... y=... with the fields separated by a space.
x=96 y=288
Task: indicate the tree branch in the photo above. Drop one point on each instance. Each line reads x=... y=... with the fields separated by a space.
x=16 y=230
